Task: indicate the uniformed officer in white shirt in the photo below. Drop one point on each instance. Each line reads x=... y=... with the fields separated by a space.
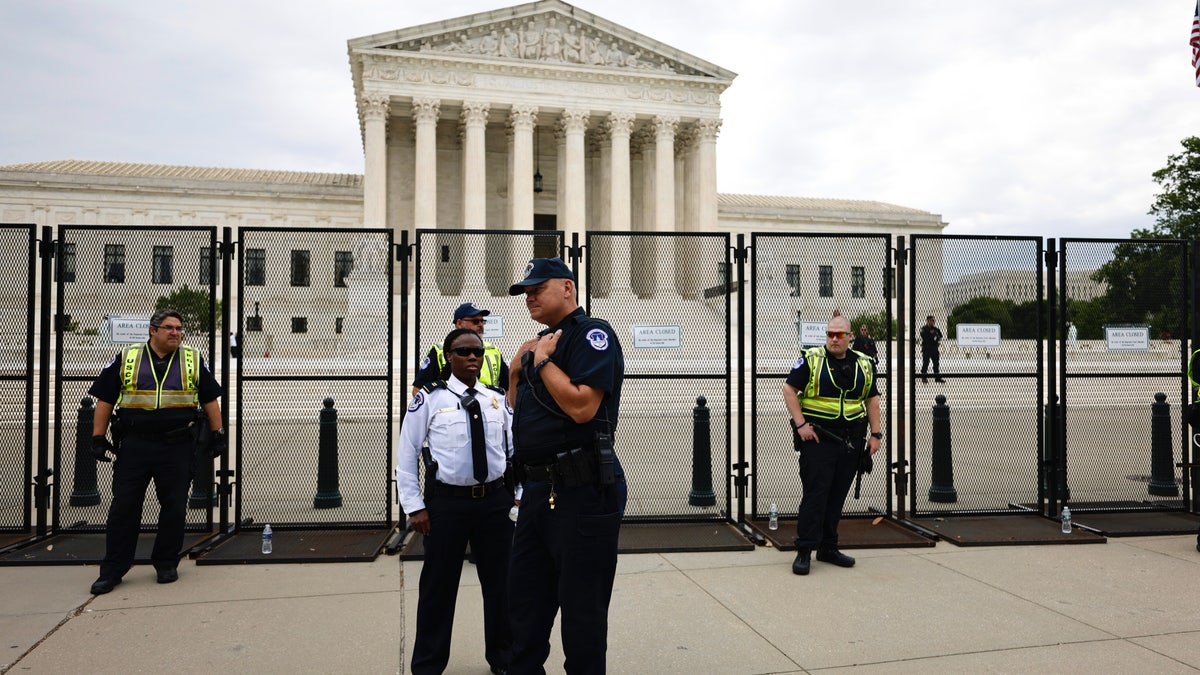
x=465 y=500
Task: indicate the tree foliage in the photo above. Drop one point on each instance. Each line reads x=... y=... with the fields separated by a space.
x=193 y=305
x=875 y=323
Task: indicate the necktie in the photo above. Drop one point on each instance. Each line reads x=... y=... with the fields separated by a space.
x=478 y=447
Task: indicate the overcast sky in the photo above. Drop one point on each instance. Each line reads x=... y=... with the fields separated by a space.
x=1030 y=117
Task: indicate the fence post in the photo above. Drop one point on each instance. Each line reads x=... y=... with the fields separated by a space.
x=941 y=483
x=84 y=490
x=328 y=495
x=702 y=492
x=1056 y=453
x=1162 y=452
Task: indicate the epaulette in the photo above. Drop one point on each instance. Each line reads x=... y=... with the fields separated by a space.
x=494 y=388
x=431 y=386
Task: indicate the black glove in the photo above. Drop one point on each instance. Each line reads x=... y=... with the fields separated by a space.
x=218 y=442
x=101 y=446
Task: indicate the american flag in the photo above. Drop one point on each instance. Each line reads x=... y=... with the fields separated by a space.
x=1196 y=43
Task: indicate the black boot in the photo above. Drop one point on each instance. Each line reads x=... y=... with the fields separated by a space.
x=832 y=555
x=802 y=562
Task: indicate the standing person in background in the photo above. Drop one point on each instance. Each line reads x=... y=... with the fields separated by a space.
x=467 y=426
x=493 y=371
x=167 y=401
x=835 y=388
x=566 y=385
x=863 y=343
x=931 y=338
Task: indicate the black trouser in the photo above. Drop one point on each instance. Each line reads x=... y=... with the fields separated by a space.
x=454 y=521
x=564 y=557
x=140 y=460
x=926 y=357
x=826 y=472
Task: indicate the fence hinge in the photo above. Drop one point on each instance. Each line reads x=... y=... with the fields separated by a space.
x=403 y=252
x=47 y=248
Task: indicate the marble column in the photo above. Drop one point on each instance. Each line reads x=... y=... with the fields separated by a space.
x=680 y=248
x=502 y=269
x=643 y=258
x=474 y=190
x=702 y=203
x=601 y=263
x=375 y=116
x=620 y=126
x=574 y=123
x=425 y=113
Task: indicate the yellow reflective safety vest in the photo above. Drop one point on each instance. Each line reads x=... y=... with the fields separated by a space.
x=824 y=399
x=144 y=389
x=1194 y=372
x=489 y=372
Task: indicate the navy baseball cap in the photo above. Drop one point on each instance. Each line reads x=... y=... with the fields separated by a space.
x=469 y=309
x=539 y=270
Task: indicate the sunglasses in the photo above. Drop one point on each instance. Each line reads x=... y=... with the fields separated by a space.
x=839 y=334
x=468 y=351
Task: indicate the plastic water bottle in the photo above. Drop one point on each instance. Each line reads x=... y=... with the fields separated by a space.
x=1066 y=520
x=773 y=516
x=512 y=513
x=267 y=537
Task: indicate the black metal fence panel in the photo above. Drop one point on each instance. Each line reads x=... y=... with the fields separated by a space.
x=1122 y=332
x=975 y=435
x=105 y=275
x=315 y=322
x=667 y=296
x=17 y=295
x=797 y=281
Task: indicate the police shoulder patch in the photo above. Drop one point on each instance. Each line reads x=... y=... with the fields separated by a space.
x=799 y=362
x=424 y=362
x=507 y=407
x=417 y=401
x=598 y=339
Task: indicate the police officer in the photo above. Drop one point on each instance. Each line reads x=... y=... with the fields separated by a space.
x=566 y=384
x=155 y=388
x=493 y=371
x=931 y=338
x=834 y=388
x=468 y=429
x=863 y=343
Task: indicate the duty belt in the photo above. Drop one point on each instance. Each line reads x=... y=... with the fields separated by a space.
x=479 y=491
x=569 y=468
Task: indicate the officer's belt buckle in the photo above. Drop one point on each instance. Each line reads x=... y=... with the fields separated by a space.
x=478 y=491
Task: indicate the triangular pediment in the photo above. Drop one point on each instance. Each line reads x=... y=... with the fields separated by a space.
x=551 y=33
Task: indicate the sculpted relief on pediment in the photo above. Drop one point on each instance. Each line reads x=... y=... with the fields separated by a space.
x=549 y=39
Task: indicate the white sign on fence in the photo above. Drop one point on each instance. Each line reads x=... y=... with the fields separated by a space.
x=124 y=330
x=1127 y=338
x=977 y=334
x=657 y=337
x=493 y=328
x=812 y=333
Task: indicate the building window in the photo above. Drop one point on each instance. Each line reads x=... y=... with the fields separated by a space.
x=826 y=281
x=337 y=324
x=299 y=268
x=114 y=263
x=207 y=270
x=254 y=324
x=66 y=267
x=163 y=258
x=343 y=264
x=256 y=267
x=858 y=282
x=793 y=280
x=299 y=324
x=723 y=273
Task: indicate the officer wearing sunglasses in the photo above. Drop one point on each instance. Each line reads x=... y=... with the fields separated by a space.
x=492 y=371
x=467 y=427
x=834 y=387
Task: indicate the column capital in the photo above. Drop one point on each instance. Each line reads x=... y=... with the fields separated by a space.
x=374 y=105
x=664 y=126
x=523 y=117
x=707 y=128
x=619 y=123
x=426 y=109
x=574 y=120
x=640 y=140
x=597 y=138
x=474 y=113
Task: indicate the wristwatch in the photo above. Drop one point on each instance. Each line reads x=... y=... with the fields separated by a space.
x=877 y=435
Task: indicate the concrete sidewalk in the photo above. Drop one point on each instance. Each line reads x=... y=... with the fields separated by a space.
x=1130 y=605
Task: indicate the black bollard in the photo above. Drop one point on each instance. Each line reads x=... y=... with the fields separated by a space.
x=941 y=482
x=702 y=492
x=328 y=495
x=1162 y=452
x=84 y=490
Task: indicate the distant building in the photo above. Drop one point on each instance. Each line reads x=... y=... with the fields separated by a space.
x=1019 y=286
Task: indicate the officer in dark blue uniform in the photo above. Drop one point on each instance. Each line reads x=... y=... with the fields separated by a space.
x=156 y=388
x=566 y=388
x=467 y=426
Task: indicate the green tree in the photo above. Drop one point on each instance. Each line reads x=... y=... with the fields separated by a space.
x=193 y=305
x=875 y=323
x=983 y=309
